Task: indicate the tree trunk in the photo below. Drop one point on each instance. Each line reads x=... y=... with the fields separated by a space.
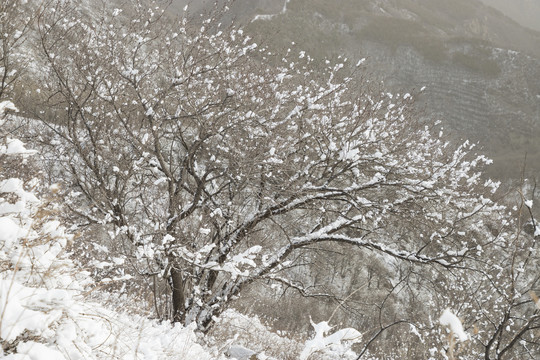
x=178 y=300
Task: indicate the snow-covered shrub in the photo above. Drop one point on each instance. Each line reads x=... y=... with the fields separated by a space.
x=236 y=329
x=214 y=164
x=44 y=314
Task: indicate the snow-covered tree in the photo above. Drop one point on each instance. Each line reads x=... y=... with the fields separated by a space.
x=215 y=163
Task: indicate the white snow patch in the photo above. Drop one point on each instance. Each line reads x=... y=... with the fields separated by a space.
x=15 y=147
x=339 y=341
x=270 y=16
x=452 y=321
x=7 y=105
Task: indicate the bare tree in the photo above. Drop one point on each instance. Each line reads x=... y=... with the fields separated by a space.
x=15 y=21
x=511 y=330
x=216 y=163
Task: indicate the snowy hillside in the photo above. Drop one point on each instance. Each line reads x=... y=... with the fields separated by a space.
x=175 y=188
x=44 y=313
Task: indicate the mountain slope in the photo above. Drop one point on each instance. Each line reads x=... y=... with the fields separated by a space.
x=481 y=69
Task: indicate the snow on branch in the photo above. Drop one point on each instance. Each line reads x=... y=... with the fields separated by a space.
x=454 y=324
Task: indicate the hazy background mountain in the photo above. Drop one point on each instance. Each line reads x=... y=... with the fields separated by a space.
x=481 y=68
x=525 y=12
